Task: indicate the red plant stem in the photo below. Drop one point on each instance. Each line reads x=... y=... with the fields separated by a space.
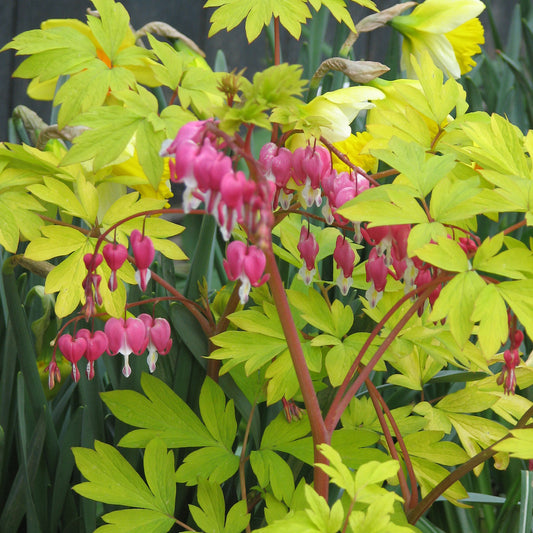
x=207 y=328
x=318 y=428
x=277 y=48
x=436 y=139
x=462 y=470
x=277 y=61
x=365 y=373
x=174 y=96
x=413 y=500
x=510 y=229
x=346 y=161
x=183 y=524
x=385 y=173
x=373 y=392
x=341 y=400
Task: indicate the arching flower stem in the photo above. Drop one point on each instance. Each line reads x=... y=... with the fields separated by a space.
x=347 y=391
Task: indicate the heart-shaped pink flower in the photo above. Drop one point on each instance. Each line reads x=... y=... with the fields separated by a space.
x=96 y=346
x=159 y=341
x=115 y=255
x=144 y=253
x=126 y=337
x=73 y=350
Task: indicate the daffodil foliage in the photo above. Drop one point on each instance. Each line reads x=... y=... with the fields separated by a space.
x=349 y=264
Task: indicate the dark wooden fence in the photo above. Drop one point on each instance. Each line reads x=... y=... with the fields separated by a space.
x=188 y=16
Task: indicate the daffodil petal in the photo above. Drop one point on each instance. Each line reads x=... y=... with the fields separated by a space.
x=465 y=41
x=442 y=16
x=439 y=48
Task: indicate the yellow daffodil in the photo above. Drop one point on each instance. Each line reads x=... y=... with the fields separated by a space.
x=447 y=29
x=329 y=115
x=353 y=148
x=338 y=109
x=128 y=165
x=401 y=114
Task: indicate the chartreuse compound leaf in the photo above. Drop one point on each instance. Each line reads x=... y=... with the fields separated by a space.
x=385 y=205
x=456 y=303
x=445 y=254
x=112 y=128
x=111 y=479
x=291 y=14
x=164 y=415
x=422 y=170
x=210 y=514
x=231 y=13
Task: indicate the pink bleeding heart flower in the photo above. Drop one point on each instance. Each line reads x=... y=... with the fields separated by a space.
x=344 y=256
x=92 y=261
x=232 y=188
x=511 y=360
x=277 y=163
x=96 y=346
x=190 y=132
x=73 y=350
x=220 y=167
x=159 y=341
x=115 y=255
x=309 y=166
x=126 y=337
x=308 y=248
x=144 y=253
x=246 y=264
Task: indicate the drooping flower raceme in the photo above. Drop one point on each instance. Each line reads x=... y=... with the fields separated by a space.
x=199 y=162
x=447 y=29
x=91 y=284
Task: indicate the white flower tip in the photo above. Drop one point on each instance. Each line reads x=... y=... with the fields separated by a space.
x=152 y=360
x=164 y=146
x=126 y=369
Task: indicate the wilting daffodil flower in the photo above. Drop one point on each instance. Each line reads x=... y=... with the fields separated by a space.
x=328 y=115
x=447 y=29
x=339 y=108
x=132 y=168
